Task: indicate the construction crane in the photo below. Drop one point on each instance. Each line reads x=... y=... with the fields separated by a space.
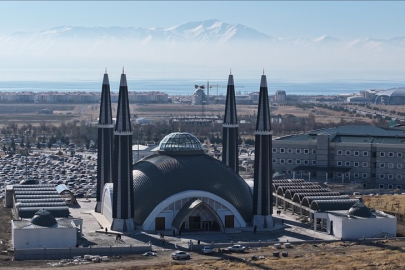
x=224 y=86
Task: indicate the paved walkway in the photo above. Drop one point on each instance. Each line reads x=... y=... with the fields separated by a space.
x=291 y=231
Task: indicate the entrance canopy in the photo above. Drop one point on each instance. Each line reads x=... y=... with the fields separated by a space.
x=197 y=208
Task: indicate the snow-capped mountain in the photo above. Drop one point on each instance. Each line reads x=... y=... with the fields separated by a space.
x=210 y=30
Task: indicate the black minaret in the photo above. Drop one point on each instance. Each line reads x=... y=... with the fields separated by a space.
x=262 y=195
x=105 y=141
x=123 y=196
x=230 y=155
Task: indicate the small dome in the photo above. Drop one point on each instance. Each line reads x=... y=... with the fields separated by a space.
x=180 y=143
x=43 y=218
x=359 y=210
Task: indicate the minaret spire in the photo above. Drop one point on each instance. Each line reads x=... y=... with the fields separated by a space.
x=262 y=194
x=230 y=126
x=105 y=141
x=123 y=196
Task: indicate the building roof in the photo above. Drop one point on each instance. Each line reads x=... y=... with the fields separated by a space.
x=359 y=210
x=326 y=205
x=43 y=218
x=352 y=133
x=164 y=176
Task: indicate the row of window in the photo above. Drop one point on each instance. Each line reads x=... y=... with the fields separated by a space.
x=381 y=186
x=339 y=152
x=365 y=175
x=293 y=151
x=365 y=164
x=290 y=161
x=365 y=153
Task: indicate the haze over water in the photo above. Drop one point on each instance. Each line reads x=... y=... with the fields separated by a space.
x=186 y=86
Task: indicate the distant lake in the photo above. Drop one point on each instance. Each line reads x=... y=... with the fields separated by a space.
x=186 y=86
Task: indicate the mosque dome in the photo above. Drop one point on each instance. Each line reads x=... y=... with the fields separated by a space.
x=43 y=218
x=160 y=176
x=359 y=210
x=180 y=143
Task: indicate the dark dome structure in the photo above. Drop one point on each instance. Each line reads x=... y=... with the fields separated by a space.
x=359 y=210
x=393 y=96
x=171 y=173
x=43 y=218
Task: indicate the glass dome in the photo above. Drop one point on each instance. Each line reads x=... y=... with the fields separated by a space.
x=180 y=142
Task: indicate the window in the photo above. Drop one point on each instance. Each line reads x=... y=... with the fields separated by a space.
x=347 y=163
x=298 y=161
x=339 y=163
x=348 y=152
x=282 y=150
x=306 y=162
x=298 y=151
x=356 y=175
x=399 y=187
x=391 y=165
x=390 y=176
x=364 y=175
x=399 y=176
x=313 y=162
x=289 y=151
x=365 y=164
x=339 y=152
x=365 y=153
x=399 y=166
x=390 y=154
x=289 y=172
x=313 y=151
x=275 y=160
x=306 y=151
x=347 y=174
x=274 y=150
x=399 y=154
x=381 y=186
x=381 y=176
x=289 y=161
x=356 y=153
x=389 y=186
x=382 y=165
x=339 y=175
x=282 y=161
x=382 y=154
x=356 y=164
x=364 y=185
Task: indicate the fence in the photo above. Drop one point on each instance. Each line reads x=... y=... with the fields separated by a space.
x=69 y=253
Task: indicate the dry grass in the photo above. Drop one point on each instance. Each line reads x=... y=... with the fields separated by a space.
x=388 y=203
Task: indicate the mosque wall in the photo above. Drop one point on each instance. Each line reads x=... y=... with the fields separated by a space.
x=29 y=238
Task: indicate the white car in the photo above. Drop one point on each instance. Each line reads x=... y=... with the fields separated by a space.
x=237 y=248
x=207 y=250
x=178 y=255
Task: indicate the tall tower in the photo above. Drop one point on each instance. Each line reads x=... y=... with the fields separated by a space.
x=105 y=141
x=123 y=196
x=262 y=195
x=230 y=126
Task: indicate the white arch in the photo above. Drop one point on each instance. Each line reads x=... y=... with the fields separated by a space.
x=107 y=201
x=191 y=194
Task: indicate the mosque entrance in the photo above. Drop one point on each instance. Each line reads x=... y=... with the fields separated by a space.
x=197 y=216
x=159 y=223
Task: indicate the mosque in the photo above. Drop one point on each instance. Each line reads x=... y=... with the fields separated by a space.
x=179 y=187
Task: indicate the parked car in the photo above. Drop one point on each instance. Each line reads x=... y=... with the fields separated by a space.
x=207 y=250
x=237 y=248
x=178 y=255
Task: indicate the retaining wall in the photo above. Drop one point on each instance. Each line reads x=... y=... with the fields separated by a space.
x=69 y=253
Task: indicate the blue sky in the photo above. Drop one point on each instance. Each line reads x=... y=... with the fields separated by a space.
x=289 y=19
